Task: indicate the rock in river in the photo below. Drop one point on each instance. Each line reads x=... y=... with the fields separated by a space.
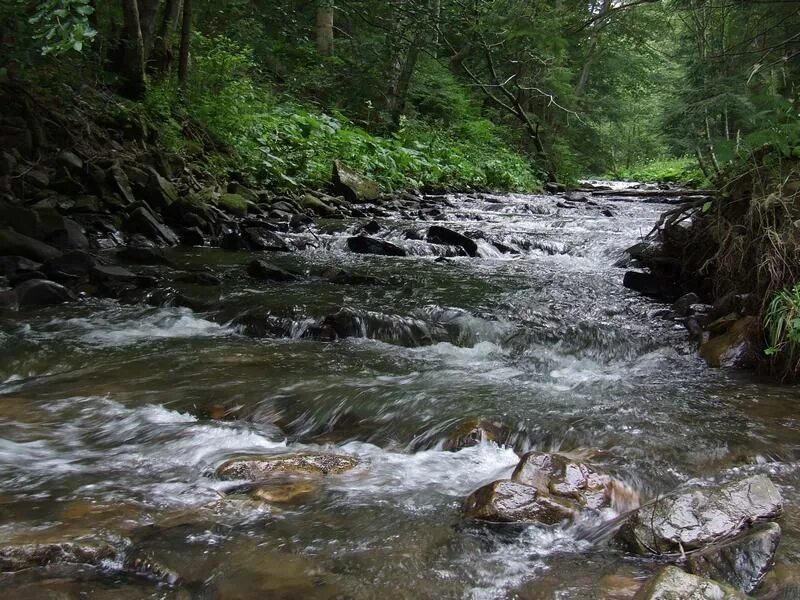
x=507 y=501
x=363 y=244
x=443 y=235
x=694 y=519
x=264 y=466
x=673 y=584
x=263 y=270
x=41 y=292
x=742 y=562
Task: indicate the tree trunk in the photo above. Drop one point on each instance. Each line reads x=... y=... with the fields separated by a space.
x=401 y=80
x=148 y=10
x=186 y=41
x=325 y=27
x=132 y=68
x=162 y=48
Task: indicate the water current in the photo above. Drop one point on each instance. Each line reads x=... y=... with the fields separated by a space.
x=113 y=418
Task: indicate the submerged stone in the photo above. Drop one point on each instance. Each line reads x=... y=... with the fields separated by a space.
x=736 y=348
x=262 y=467
x=475 y=431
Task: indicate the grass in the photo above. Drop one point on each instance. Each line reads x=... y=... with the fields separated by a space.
x=683 y=170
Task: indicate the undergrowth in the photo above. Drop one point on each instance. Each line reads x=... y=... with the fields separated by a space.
x=283 y=143
x=684 y=170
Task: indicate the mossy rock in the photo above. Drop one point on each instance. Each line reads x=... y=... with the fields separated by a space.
x=354 y=187
x=233 y=203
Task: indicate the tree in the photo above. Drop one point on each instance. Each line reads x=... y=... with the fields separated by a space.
x=325 y=10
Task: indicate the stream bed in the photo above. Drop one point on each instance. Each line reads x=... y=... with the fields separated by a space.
x=113 y=418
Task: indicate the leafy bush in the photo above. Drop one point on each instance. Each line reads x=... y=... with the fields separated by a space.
x=782 y=323
x=683 y=170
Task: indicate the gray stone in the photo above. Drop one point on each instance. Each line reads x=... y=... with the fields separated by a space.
x=351 y=185
x=506 y=501
x=443 y=235
x=363 y=244
x=41 y=292
x=260 y=269
x=161 y=192
x=260 y=238
x=681 y=522
x=142 y=256
x=256 y=468
x=673 y=584
x=144 y=222
x=742 y=562
x=75 y=263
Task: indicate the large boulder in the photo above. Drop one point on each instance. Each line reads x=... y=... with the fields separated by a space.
x=41 y=292
x=673 y=584
x=161 y=192
x=363 y=244
x=255 y=468
x=506 y=501
x=75 y=263
x=742 y=562
x=736 y=348
x=351 y=185
x=448 y=237
x=694 y=519
x=651 y=284
x=557 y=475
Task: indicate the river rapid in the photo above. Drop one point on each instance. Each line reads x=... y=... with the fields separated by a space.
x=113 y=418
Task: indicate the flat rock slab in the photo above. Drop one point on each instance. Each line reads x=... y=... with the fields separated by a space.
x=742 y=562
x=673 y=584
x=695 y=519
x=255 y=468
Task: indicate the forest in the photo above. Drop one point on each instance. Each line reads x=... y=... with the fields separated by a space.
x=405 y=299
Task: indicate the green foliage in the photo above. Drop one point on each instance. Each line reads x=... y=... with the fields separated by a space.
x=782 y=323
x=683 y=170
x=63 y=25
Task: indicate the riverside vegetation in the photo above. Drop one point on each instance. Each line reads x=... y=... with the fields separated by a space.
x=273 y=270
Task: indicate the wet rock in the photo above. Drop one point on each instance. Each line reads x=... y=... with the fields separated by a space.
x=560 y=476
x=75 y=263
x=264 y=271
x=145 y=222
x=371 y=227
x=681 y=307
x=363 y=244
x=260 y=238
x=235 y=204
x=113 y=273
x=70 y=237
x=742 y=562
x=15 y=558
x=393 y=329
x=506 y=501
x=41 y=292
x=198 y=278
x=650 y=284
x=673 y=584
x=554 y=188
x=191 y=236
x=142 y=256
x=576 y=196
x=695 y=519
x=317 y=206
x=354 y=187
x=37 y=178
x=448 y=237
x=736 y=348
x=476 y=431
x=277 y=492
x=343 y=277
x=256 y=468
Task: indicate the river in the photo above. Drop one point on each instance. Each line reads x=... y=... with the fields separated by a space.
x=114 y=417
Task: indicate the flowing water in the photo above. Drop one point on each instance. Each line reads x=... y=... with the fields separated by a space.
x=114 y=417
